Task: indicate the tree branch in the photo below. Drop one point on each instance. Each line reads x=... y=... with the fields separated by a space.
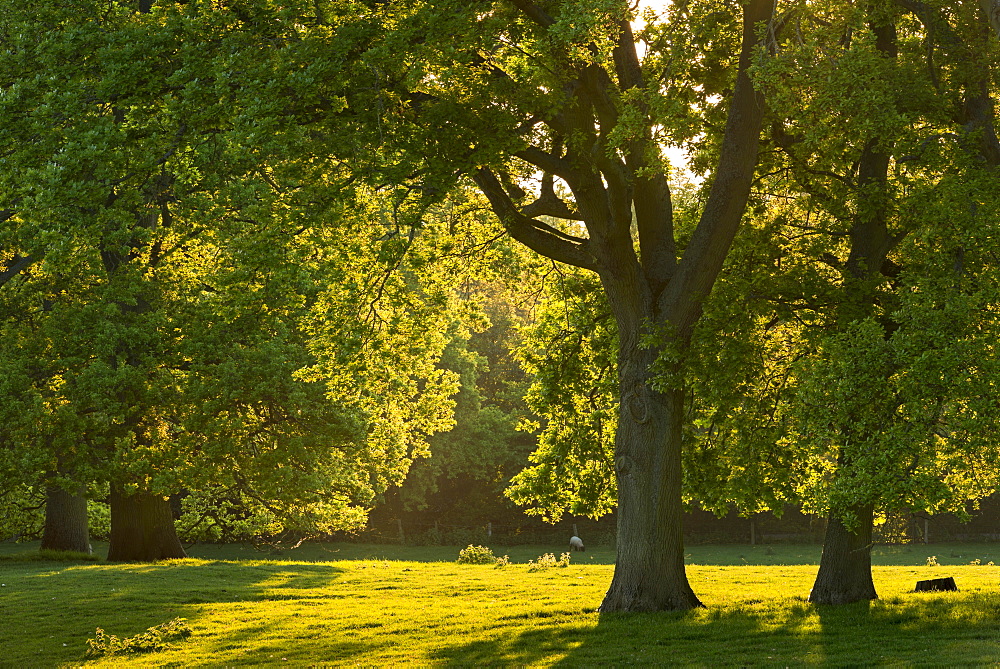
x=534 y=12
x=705 y=254
x=549 y=204
x=534 y=234
x=548 y=162
x=15 y=266
x=627 y=65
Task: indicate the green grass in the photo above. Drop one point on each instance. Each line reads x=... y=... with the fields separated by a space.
x=381 y=605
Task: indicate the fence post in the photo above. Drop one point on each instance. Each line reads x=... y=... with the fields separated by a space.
x=489 y=529
x=753 y=533
x=926 y=530
x=399 y=524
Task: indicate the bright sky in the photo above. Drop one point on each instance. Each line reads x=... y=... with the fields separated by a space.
x=677 y=156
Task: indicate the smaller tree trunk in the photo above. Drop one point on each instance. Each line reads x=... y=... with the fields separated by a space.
x=65 y=522
x=845 y=569
x=142 y=528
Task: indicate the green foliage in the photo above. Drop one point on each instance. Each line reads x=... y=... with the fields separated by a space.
x=22 y=512
x=886 y=364
x=221 y=515
x=156 y=638
x=470 y=464
x=98 y=520
x=449 y=536
x=476 y=555
x=548 y=561
x=239 y=236
x=570 y=353
x=795 y=368
x=208 y=303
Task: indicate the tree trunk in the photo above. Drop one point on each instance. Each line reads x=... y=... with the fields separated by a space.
x=142 y=528
x=649 y=567
x=65 y=522
x=845 y=570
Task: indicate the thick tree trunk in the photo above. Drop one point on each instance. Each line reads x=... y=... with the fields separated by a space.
x=142 y=529
x=65 y=522
x=649 y=568
x=845 y=570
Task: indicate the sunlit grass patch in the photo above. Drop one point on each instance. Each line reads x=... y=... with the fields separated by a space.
x=381 y=612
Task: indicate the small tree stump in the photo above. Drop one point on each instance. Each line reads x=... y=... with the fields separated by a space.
x=935 y=584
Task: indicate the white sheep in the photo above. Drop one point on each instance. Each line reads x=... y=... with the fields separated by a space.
x=576 y=544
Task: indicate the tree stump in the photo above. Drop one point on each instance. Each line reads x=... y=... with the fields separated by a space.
x=936 y=584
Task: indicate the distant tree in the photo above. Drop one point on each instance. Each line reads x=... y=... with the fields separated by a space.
x=470 y=465
x=183 y=307
x=888 y=410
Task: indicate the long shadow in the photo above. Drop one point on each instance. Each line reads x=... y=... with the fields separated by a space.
x=617 y=639
x=57 y=607
x=931 y=629
x=912 y=630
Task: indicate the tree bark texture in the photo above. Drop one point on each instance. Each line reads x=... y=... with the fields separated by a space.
x=845 y=569
x=649 y=567
x=142 y=528
x=65 y=522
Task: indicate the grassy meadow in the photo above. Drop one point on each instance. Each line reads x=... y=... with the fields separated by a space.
x=362 y=605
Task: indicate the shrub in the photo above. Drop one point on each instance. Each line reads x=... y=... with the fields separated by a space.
x=153 y=639
x=547 y=561
x=932 y=561
x=476 y=555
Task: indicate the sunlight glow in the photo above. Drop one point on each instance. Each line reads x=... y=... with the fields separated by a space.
x=676 y=155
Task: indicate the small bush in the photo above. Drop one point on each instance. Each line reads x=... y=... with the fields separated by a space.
x=476 y=555
x=547 y=561
x=153 y=639
x=482 y=555
x=932 y=561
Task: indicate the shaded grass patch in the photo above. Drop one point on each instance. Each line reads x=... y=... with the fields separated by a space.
x=382 y=612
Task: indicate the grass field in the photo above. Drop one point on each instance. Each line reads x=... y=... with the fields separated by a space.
x=382 y=605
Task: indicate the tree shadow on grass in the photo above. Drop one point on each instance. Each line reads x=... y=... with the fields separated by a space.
x=936 y=629
x=909 y=630
x=60 y=606
x=616 y=639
